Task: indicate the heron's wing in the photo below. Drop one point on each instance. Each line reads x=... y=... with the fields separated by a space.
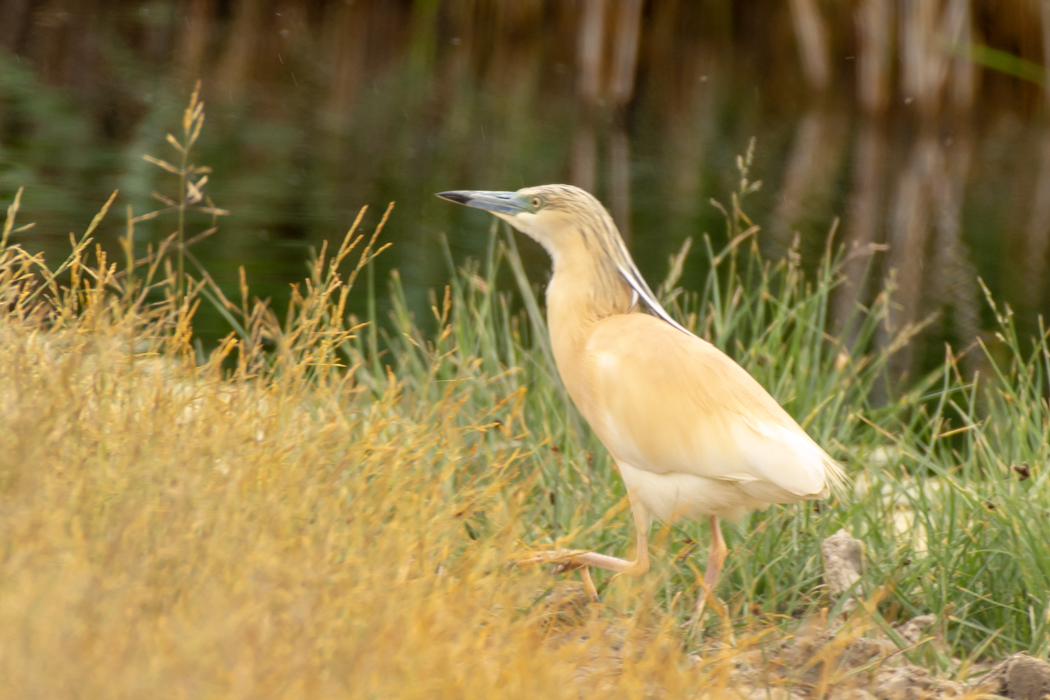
x=666 y=401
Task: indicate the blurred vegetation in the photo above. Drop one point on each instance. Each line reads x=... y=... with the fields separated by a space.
x=318 y=108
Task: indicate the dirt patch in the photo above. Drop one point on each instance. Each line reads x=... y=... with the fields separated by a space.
x=840 y=666
x=835 y=659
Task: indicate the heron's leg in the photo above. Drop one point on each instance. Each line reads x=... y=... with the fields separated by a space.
x=588 y=583
x=621 y=566
x=567 y=561
x=716 y=556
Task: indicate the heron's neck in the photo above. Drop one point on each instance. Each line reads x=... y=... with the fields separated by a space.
x=582 y=292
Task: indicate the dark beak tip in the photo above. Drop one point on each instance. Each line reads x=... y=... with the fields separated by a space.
x=500 y=203
x=454 y=196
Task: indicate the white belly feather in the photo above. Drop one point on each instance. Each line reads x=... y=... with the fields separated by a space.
x=676 y=495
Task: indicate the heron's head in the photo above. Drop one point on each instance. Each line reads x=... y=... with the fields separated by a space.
x=572 y=225
x=553 y=215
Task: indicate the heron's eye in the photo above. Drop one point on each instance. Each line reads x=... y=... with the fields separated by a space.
x=537 y=202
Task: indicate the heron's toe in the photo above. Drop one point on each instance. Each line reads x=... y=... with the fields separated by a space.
x=563 y=559
x=569 y=565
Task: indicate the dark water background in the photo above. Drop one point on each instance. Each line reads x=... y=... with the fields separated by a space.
x=890 y=116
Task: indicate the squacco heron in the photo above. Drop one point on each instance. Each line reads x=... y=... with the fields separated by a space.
x=691 y=432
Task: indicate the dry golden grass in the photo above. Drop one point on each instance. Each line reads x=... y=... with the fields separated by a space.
x=174 y=529
x=171 y=529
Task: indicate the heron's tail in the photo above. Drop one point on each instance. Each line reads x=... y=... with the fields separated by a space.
x=836 y=477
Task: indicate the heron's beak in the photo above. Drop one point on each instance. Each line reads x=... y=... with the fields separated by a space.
x=495 y=202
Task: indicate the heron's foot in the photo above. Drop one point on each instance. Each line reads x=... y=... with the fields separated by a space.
x=563 y=559
x=715 y=558
x=696 y=622
x=707 y=602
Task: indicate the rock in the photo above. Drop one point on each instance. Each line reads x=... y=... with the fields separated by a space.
x=855 y=694
x=913 y=683
x=565 y=604
x=914 y=629
x=800 y=656
x=763 y=693
x=843 y=560
x=904 y=683
x=1019 y=677
x=805 y=657
x=862 y=650
x=951 y=689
